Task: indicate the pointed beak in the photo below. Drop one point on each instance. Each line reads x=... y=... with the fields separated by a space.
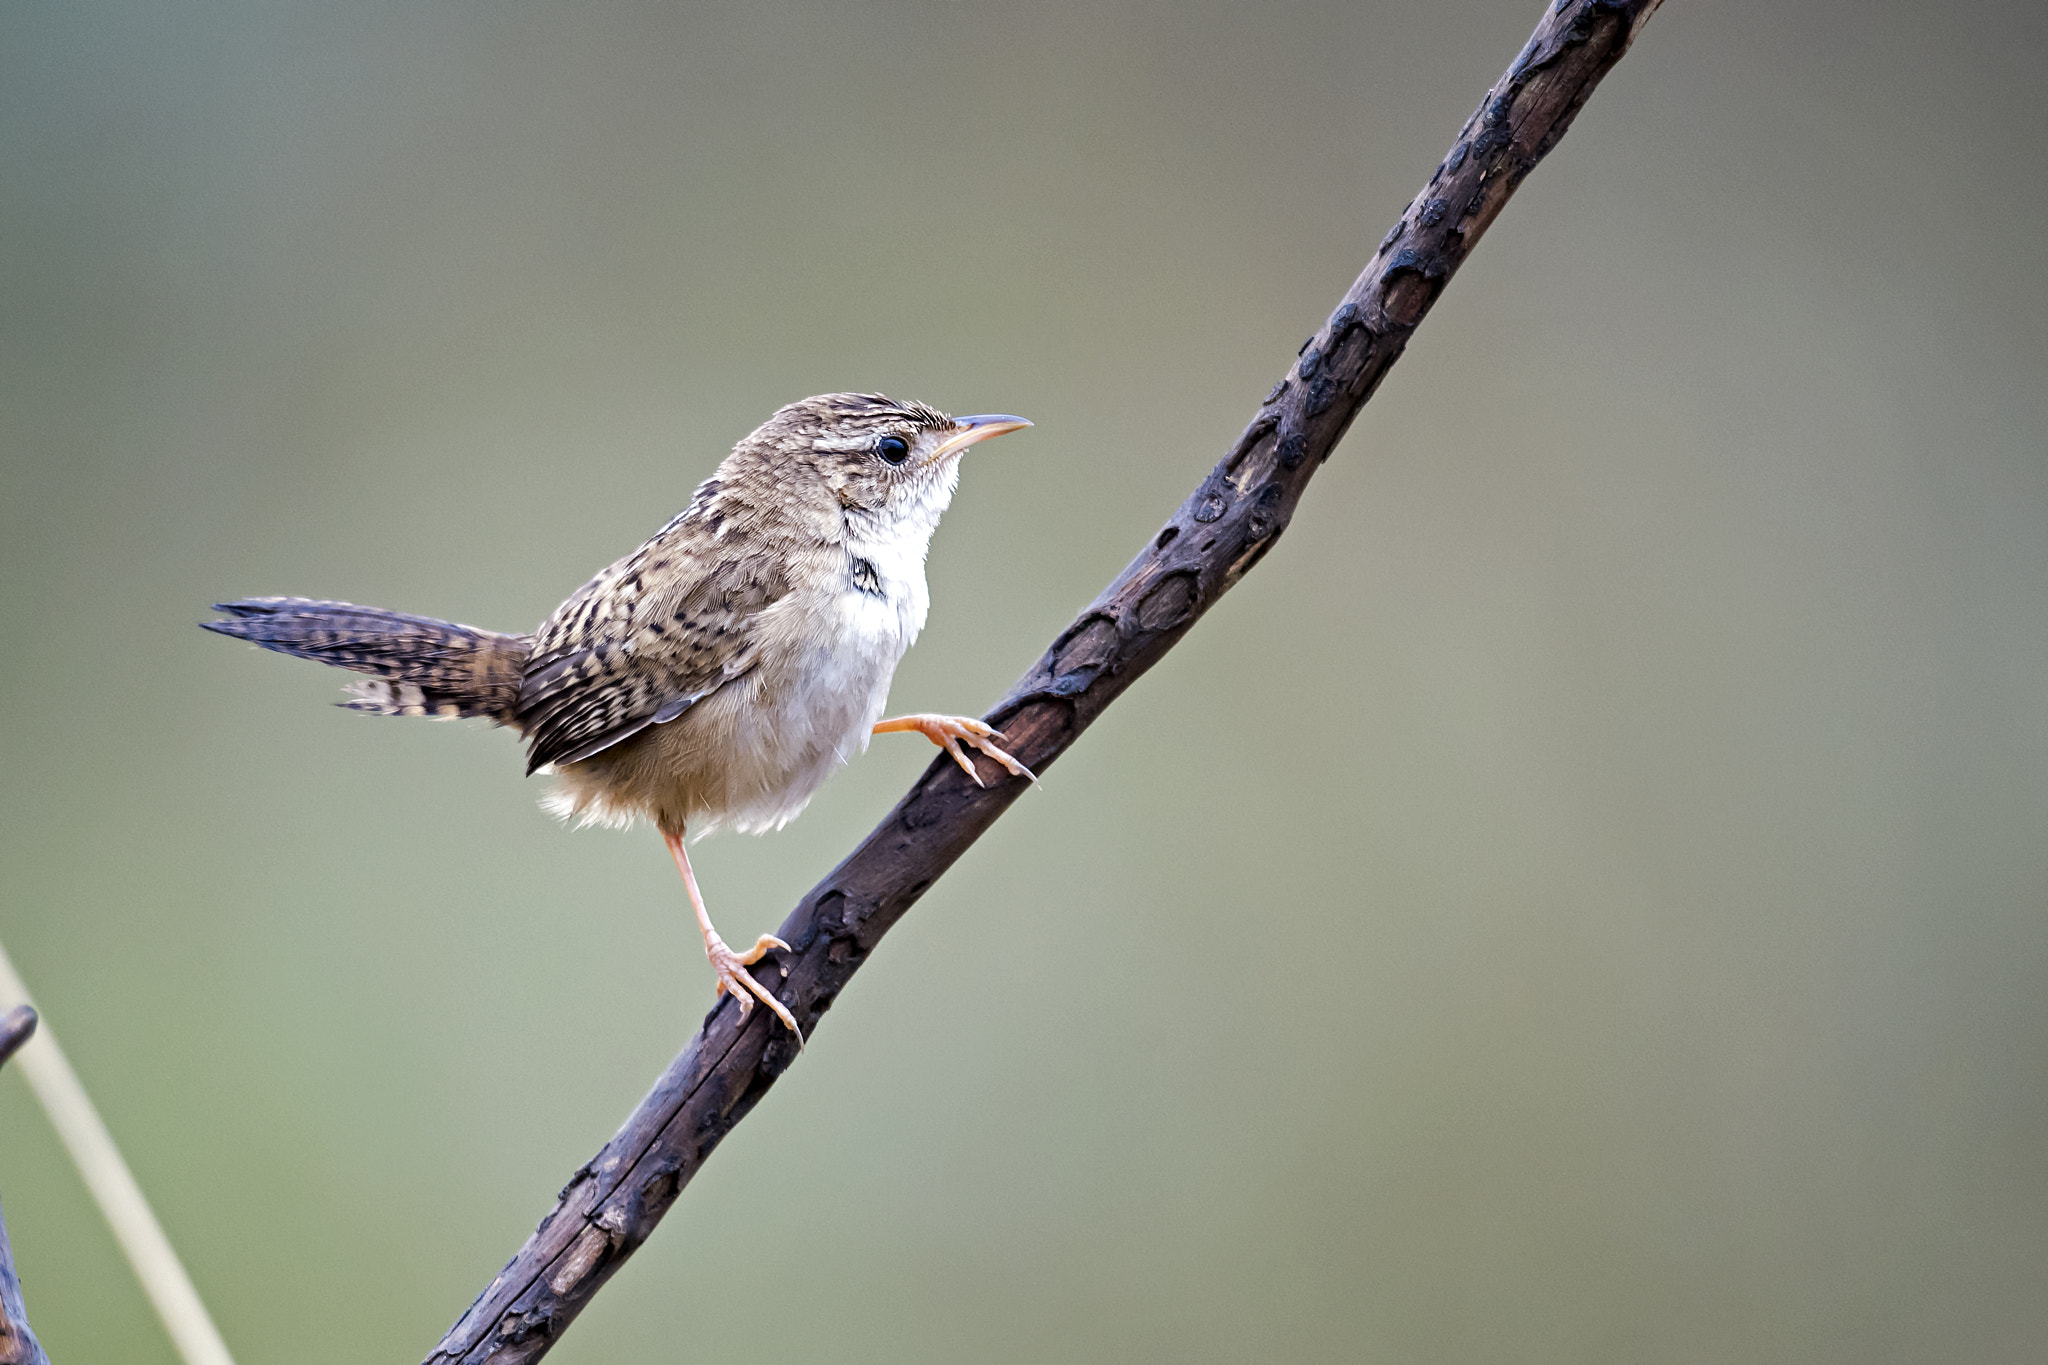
x=975 y=429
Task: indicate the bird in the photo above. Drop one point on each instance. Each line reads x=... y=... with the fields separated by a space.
x=719 y=673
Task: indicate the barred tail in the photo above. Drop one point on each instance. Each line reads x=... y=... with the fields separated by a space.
x=421 y=667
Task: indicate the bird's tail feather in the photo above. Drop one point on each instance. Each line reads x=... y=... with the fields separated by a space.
x=420 y=666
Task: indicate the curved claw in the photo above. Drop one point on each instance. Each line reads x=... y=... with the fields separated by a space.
x=948 y=731
x=733 y=976
x=951 y=744
x=761 y=947
x=1016 y=769
x=736 y=980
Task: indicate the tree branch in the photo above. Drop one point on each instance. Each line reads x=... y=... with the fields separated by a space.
x=18 y=1345
x=612 y=1204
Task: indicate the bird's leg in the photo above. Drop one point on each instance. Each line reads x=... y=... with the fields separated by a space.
x=948 y=731
x=731 y=966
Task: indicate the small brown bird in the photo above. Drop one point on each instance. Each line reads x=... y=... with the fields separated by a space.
x=717 y=674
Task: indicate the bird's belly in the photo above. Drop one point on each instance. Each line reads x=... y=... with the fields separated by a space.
x=840 y=692
x=825 y=709
x=750 y=755
x=794 y=720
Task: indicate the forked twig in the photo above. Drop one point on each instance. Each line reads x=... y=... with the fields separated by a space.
x=18 y=1345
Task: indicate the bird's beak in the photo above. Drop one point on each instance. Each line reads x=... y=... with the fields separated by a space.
x=979 y=428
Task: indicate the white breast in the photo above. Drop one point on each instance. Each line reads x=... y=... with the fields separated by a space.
x=856 y=634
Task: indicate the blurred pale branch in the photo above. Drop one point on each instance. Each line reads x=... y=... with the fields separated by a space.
x=612 y=1204
x=113 y=1188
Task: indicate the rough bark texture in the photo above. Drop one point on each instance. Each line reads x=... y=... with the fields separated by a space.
x=18 y=1345
x=1226 y=525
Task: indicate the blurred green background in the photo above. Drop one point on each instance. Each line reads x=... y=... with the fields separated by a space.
x=1581 y=900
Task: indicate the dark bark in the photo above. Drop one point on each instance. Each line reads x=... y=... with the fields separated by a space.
x=1224 y=528
x=18 y=1345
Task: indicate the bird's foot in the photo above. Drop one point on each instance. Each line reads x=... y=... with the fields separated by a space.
x=948 y=731
x=734 y=977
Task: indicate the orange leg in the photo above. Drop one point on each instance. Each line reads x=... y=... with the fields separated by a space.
x=948 y=731
x=731 y=966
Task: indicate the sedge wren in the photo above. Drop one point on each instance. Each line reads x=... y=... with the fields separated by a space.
x=717 y=674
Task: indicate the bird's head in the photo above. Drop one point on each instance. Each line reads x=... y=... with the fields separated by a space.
x=884 y=467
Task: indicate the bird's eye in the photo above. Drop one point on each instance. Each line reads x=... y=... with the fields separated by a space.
x=893 y=449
